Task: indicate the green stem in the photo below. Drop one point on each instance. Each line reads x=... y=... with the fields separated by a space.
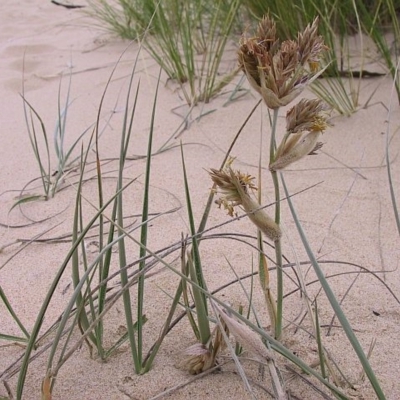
x=278 y=247
x=279 y=300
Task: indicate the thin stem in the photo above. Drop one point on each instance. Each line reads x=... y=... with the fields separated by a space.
x=272 y=144
x=279 y=300
x=278 y=247
x=271 y=160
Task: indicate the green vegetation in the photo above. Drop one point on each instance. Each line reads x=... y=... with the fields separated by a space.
x=188 y=40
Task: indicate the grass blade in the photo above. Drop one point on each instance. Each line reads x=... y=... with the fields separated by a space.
x=333 y=301
x=144 y=229
x=195 y=268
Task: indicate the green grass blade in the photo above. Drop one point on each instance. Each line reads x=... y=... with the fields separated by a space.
x=321 y=353
x=45 y=172
x=13 y=338
x=388 y=165
x=125 y=139
x=195 y=244
x=200 y=304
x=12 y=312
x=104 y=264
x=333 y=301
x=83 y=319
x=185 y=291
x=144 y=228
x=122 y=263
x=27 y=199
x=195 y=263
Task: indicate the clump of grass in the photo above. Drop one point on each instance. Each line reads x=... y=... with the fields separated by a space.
x=129 y=19
x=91 y=284
x=187 y=39
x=51 y=177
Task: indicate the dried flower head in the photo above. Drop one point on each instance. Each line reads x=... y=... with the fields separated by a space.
x=280 y=72
x=311 y=45
x=306 y=116
x=305 y=122
x=199 y=359
x=234 y=187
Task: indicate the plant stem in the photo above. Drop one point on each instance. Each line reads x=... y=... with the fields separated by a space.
x=278 y=248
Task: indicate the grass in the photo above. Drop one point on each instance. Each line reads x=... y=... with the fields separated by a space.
x=51 y=178
x=193 y=296
x=187 y=39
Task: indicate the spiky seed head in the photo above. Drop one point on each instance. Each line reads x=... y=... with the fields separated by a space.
x=306 y=115
x=248 y=62
x=279 y=71
x=234 y=187
x=311 y=46
x=266 y=32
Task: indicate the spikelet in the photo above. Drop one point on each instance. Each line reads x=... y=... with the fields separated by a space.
x=300 y=146
x=234 y=186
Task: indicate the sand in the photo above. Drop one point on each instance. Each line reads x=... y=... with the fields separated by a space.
x=348 y=216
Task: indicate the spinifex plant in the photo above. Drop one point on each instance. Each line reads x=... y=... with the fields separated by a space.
x=279 y=72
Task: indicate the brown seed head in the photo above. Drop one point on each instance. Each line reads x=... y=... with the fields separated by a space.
x=266 y=32
x=306 y=116
x=248 y=61
x=289 y=57
x=304 y=123
x=279 y=72
x=311 y=45
x=199 y=359
x=234 y=187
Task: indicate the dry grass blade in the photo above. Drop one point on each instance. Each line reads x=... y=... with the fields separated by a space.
x=239 y=367
x=174 y=389
x=46 y=388
x=252 y=342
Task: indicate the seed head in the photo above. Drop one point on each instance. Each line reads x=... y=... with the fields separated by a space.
x=306 y=116
x=311 y=45
x=297 y=147
x=234 y=187
x=199 y=359
x=279 y=72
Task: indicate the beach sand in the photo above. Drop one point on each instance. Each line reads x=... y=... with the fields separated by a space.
x=348 y=216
